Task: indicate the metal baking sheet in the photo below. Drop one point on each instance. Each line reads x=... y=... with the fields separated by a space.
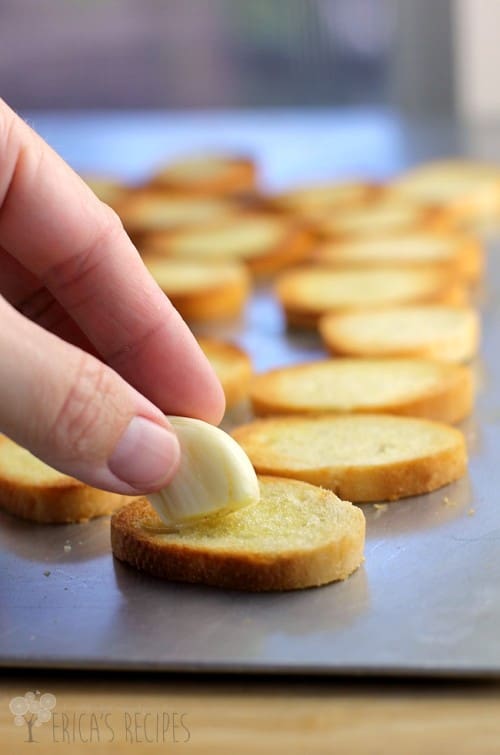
x=427 y=599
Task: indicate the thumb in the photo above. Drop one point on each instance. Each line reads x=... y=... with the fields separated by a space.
x=77 y=414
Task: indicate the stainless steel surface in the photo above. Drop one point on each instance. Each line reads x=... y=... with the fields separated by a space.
x=426 y=601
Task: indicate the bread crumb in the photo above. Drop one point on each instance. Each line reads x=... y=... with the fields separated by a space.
x=67 y=548
x=471 y=512
x=448 y=502
x=380 y=508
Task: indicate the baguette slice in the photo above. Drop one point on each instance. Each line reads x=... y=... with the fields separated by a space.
x=468 y=189
x=297 y=536
x=461 y=252
x=232 y=366
x=265 y=243
x=146 y=211
x=310 y=292
x=31 y=489
x=389 y=215
x=208 y=174
x=410 y=387
x=361 y=457
x=202 y=291
x=448 y=334
x=310 y=202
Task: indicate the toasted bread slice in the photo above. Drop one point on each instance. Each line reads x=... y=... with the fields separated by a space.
x=461 y=252
x=468 y=189
x=32 y=490
x=208 y=174
x=448 y=334
x=232 y=366
x=297 y=536
x=361 y=457
x=146 y=211
x=389 y=215
x=202 y=290
x=310 y=292
x=263 y=242
x=317 y=200
x=411 y=387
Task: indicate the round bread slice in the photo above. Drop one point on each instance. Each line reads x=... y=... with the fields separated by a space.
x=469 y=189
x=461 y=252
x=361 y=457
x=202 y=290
x=146 y=211
x=265 y=243
x=31 y=489
x=232 y=366
x=448 y=334
x=310 y=292
x=297 y=536
x=388 y=215
x=208 y=174
x=316 y=200
x=410 y=387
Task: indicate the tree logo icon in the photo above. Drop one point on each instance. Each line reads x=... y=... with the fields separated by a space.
x=34 y=709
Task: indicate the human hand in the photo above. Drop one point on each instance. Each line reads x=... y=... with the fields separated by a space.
x=92 y=353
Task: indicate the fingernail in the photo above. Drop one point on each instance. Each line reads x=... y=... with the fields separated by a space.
x=146 y=454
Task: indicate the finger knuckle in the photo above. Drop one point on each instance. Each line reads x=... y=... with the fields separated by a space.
x=108 y=228
x=76 y=271
x=79 y=421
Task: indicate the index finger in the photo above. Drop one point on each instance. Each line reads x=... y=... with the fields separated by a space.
x=52 y=223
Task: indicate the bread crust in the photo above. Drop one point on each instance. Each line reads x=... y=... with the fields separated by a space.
x=449 y=401
x=221 y=299
x=236 y=569
x=60 y=501
x=362 y=483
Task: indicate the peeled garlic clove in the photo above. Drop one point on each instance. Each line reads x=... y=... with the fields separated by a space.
x=215 y=475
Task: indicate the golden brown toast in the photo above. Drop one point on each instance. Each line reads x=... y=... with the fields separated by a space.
x=447 y=334
x=409 y=387
x=462 y=253
x=208 y=174
x=308 y=293
x=31 y=489
x=232 y=366
x=297 y=536
x=202 y=291
x=265 y=243
x=361 y=457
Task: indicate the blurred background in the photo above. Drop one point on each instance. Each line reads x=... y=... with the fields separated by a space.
x=384 y=61
x=223 y=53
